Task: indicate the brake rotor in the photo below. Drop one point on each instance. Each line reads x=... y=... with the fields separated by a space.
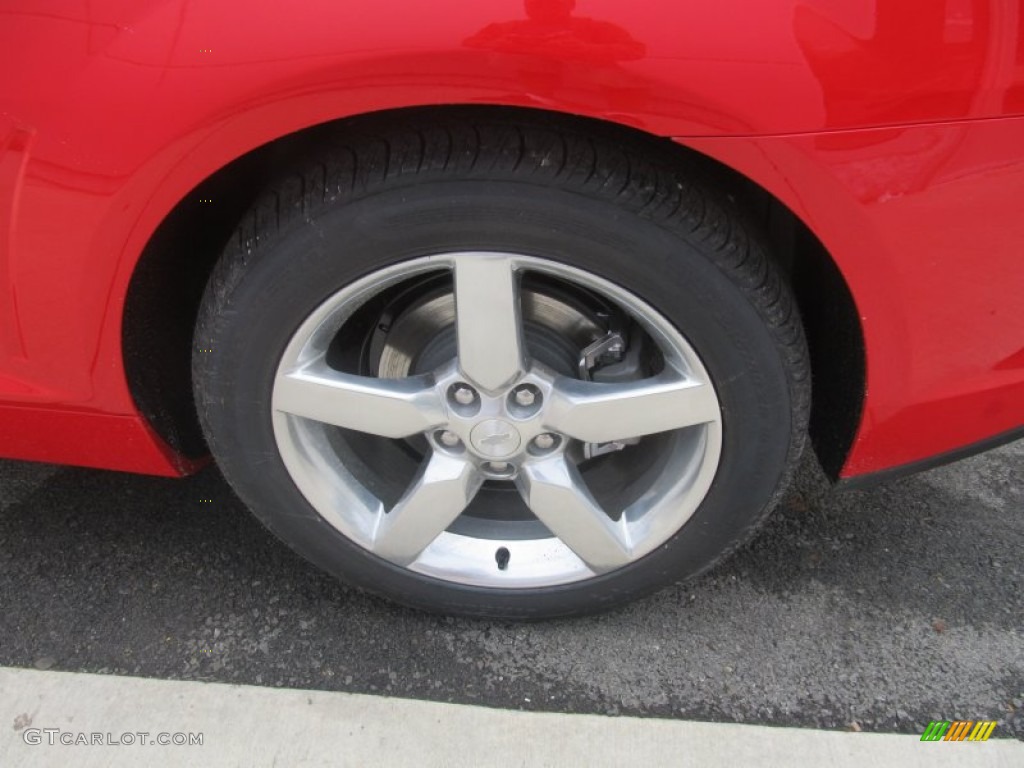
x=422 y=336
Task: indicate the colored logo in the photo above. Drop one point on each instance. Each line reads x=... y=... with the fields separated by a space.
x=958 y=730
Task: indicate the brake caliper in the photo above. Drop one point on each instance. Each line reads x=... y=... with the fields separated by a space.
x=610 y=359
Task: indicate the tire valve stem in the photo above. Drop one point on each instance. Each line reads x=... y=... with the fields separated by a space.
x=502 y=556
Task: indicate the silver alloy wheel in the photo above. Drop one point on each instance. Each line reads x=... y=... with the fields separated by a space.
x=479 y=426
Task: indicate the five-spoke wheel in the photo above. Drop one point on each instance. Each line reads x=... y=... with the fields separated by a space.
x=495 y=411
x=487 y=369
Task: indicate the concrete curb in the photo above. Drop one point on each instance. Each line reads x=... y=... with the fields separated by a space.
x=247 y=726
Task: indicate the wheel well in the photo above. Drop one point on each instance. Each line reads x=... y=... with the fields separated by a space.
x=167 y=286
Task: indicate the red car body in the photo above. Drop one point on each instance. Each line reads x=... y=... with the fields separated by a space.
x=893 y=130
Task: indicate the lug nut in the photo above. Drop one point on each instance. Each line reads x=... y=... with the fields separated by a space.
x=497 y=466
x=544 y=441
x=464 y=395
x=525 y=396
x=448 y=438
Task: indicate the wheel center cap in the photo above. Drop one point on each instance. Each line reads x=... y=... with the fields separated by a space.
x=495 y=438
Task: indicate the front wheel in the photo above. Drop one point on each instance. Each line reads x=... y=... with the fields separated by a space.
x=500 y=389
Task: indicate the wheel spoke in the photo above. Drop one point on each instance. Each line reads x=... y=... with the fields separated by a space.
x=557 y=495
x=599 y=413
x=442 y=489
x=385 y=407
x=488 y=319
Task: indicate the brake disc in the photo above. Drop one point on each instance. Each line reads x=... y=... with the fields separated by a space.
x=422 y=337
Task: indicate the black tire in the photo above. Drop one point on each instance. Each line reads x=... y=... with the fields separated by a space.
x=622 y=211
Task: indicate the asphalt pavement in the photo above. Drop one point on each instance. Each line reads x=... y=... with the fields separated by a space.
x=875 y=610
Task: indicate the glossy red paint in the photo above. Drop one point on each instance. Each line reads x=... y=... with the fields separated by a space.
x=93 y=439
x=889 y=127
x=925 y=224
